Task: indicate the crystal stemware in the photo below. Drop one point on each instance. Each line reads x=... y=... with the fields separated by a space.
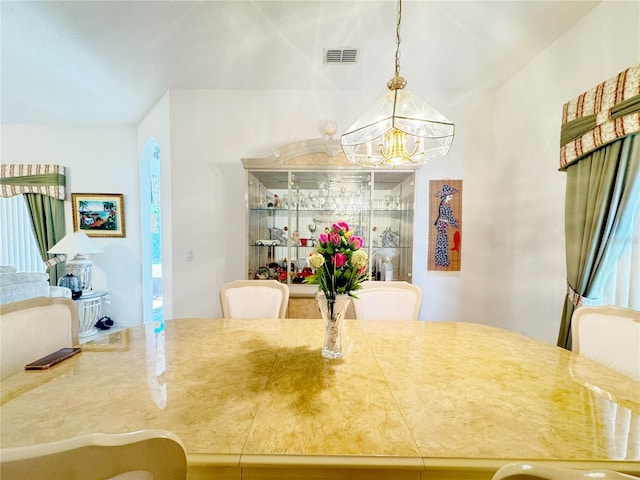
x=312 y=229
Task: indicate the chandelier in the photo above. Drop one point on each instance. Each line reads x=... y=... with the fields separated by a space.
x=398 y=129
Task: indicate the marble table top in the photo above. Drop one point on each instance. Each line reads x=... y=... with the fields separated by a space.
x=410 y=394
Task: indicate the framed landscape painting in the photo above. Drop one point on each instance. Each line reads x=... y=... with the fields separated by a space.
x=98 y=214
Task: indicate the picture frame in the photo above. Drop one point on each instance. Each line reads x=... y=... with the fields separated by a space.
x=445 y=226
x=98 y=214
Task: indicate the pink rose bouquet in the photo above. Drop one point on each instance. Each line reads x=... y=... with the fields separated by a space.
x=340 y=263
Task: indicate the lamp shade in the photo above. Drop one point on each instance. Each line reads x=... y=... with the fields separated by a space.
x=76 y=242
x=429 y=132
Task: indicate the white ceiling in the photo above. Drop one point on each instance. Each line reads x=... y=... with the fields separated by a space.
x=97 y=62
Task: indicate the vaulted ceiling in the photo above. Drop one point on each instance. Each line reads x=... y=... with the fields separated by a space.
x=108 y=62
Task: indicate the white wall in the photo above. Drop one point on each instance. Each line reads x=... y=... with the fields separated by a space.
x=96 y=160
x=458 y=296
x=528 y=275
x=212 y=130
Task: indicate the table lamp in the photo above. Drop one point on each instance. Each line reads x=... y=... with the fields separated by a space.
x=80 y=244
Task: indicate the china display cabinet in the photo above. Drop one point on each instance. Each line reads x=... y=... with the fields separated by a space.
x=295 y=194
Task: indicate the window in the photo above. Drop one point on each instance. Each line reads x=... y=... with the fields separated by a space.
x=18 y=246
x=622 y=288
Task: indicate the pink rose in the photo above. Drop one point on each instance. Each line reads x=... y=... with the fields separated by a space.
x=339 y=259
x=356 y=242
x=341 y=225
x=323 y=238
x=334 y=238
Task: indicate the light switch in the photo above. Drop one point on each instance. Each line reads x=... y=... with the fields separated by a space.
x=188 y=255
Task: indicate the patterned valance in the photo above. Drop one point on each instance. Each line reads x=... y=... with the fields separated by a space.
x=43 y=179
x=609 y=111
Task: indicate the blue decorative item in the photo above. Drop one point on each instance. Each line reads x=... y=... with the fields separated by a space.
x=73 y=283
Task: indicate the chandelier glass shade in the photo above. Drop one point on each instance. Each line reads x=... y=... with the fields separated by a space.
x=398 y=129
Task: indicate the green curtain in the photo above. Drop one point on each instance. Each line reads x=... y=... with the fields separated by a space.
x=602 y=194
x=47 y=219
x=41 y=179
x=629 y=106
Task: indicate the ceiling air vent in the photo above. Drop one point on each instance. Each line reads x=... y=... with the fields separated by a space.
x=340 y=55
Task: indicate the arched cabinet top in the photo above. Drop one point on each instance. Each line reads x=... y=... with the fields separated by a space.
x=309 y=154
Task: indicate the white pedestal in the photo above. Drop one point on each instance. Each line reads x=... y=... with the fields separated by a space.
x=89 y=308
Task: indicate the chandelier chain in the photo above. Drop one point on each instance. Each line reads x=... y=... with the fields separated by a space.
x=397 y=71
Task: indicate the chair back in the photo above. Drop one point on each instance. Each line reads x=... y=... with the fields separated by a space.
x=396 y=300
x=31 y=329
x=609 y=335
x=254 y=299
x=145 y=454
x=534 y=471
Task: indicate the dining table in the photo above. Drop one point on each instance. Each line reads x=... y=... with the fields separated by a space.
x=255 y=399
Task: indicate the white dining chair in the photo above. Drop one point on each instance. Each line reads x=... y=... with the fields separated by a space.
x=396 y=300
x=141 y=455
x=535 y=471
x=609 y=335
x=254 y=299
x=33 y=328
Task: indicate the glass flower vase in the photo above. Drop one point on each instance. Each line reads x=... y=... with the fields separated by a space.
x=333 y=312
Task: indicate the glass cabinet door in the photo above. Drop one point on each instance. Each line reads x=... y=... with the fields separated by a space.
x=320 y=199
x=287 y=210
x=392 y=226
x=268 y=216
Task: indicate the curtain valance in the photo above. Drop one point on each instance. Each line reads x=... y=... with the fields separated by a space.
x=608 y=111
x=46 y=180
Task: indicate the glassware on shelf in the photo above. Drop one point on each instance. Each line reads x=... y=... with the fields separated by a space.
x=312 y=229
x=387 y=270
x=377 y=204
x=390 y=238
x=303 y=204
